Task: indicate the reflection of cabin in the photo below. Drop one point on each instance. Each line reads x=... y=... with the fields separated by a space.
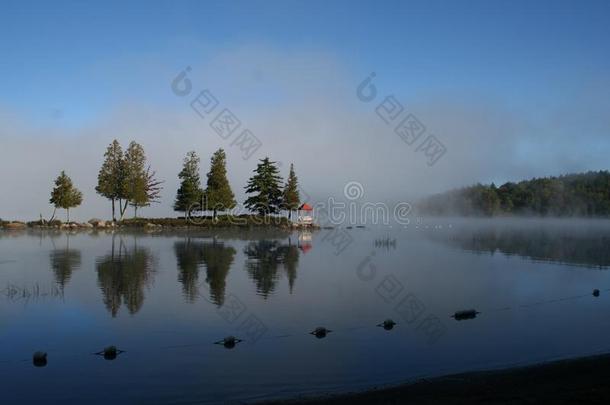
x=305 y=214
x=304 y=241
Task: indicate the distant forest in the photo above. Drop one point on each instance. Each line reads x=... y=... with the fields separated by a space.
x=582 y=194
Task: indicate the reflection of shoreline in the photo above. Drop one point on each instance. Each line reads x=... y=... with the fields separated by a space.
x=556 y=244
x=224 y=233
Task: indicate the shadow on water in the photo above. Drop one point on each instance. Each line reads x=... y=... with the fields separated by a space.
x=191 y=255
x=560 y=242
x=123 y=273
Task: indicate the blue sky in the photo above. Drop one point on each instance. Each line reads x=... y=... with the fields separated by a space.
x=515 y=88
x=523 y=52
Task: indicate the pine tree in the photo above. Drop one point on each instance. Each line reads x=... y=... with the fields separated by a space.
x=218 y=194
x=190 y=192
x=65 y=195
x=290 y=197
x=110 y=177
x=266 y=184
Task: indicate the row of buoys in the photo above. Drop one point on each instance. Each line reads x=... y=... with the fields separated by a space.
x=229 y=342
x=320 y=332
x=39 y=359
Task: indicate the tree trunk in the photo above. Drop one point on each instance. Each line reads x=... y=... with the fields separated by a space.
x=215 y=211
x=68 y=212
x=53 y=216
x=123 y=208
x=113 y=215
x=289 y=214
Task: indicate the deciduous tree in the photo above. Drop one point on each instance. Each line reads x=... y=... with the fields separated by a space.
x=65 y=195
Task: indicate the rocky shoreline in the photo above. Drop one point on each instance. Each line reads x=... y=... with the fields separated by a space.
x=248 y=221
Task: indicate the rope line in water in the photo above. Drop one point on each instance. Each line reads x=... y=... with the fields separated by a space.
x=316 y=332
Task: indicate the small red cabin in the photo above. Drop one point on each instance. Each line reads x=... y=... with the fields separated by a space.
x=305 y=214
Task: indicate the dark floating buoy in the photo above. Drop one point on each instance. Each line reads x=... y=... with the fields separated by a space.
x=39 y=359
x=110 y=352
x=229 y=342
x=320 y=332
x=465 y=314
x=360 y=226
x=348 y=227
x=388 y=324
x=596 y=293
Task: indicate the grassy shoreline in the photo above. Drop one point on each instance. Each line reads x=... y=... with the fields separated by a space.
x=578 y=380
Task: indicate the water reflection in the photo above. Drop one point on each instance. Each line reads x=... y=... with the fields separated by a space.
x=64 y=261
x=217 y=258
x=263 y=259
x=122 y=275
x=587 y=246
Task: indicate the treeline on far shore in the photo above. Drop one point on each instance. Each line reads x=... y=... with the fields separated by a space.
x=579 y=194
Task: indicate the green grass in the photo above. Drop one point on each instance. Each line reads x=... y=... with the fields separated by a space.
x=209 y=222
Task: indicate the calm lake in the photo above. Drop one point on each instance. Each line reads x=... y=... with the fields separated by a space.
x=165 y=298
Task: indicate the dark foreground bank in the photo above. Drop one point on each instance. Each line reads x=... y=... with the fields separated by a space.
x=583 y=380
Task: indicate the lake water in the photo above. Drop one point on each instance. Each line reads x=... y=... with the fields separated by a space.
x=165 y=298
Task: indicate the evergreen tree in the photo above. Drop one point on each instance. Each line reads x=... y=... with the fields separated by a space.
x=190 y=192
x=65 y=195
x=266 y=184
x=110 y=176
x=218 y=194
x=290 y=197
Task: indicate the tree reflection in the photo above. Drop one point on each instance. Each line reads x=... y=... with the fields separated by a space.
x=263 y=260
x=122 y=275
x=217 y=258
x=63 y=262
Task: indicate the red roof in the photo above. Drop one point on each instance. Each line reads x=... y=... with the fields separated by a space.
x=305 y=207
